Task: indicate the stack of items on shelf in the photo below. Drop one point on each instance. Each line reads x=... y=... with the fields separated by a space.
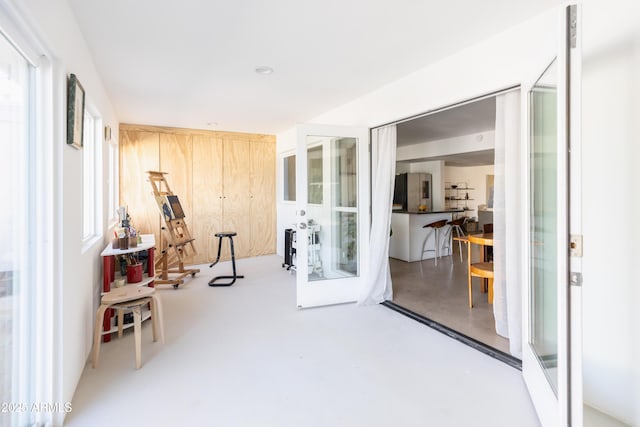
x=126 y=236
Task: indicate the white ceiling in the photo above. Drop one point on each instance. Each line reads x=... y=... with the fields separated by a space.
x=192 y=62
x=473 y=158
x=474 y=117
x=467 y=119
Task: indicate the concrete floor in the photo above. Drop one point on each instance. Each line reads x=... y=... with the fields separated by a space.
x=246 y=356
x=440 y=293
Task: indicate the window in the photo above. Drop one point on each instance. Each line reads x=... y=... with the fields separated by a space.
x=289 y=178
x=315 y=185
x=314 y=173
x=91 y=171
x=112 y=203
x=15 y=231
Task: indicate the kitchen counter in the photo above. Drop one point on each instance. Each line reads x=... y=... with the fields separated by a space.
x=408 y=235
x=429 y=212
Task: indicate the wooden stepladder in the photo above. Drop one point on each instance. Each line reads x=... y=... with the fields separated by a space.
x=176 y=242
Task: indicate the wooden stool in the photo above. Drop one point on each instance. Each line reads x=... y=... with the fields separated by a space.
x=235 y=276
x=129 y=298
x=434 y=229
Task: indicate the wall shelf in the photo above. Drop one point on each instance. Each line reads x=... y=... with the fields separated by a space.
x=456 y=198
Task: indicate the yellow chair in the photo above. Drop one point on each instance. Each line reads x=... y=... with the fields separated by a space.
x=481 y=269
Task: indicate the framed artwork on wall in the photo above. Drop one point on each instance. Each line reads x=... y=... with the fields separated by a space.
x=489 y=190
x=75 y=112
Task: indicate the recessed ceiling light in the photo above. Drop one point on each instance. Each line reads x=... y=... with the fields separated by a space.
x=264 y=70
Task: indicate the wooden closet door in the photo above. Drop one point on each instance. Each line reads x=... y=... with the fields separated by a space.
x=176 y=153
x=207 y=195
x=139 y=153
x=237 y=203
x=263 y=193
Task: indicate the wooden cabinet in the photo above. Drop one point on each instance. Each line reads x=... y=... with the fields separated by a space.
x=176 y=157
x=225 y=182
x=263 y=190
x=237 y=193
x=207 y=205
x=139 y=152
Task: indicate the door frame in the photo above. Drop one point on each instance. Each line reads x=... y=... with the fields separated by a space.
x=566 y=408
x=460 y=336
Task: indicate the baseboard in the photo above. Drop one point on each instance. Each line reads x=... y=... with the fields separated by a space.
x=471 y=342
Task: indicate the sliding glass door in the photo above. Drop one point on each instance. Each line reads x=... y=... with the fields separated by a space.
x=15 y=95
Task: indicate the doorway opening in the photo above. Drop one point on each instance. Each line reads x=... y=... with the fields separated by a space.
x=456 y=147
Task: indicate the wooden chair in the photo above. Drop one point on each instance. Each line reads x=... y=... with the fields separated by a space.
x=488 y=250
x=480 y=269
x=131 y=298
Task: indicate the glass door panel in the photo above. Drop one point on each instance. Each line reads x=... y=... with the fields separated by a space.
x=14 y=235
x=547 y=332
x=543 y=310
x=332 y=214
x=332 y=210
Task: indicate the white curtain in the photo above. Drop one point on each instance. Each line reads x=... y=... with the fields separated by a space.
x=507 y=212
x=377 y=283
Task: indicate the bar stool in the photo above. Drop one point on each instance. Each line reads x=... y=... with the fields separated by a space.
x=434 y=230
x=129 y=298
x=455 y=226
x=235 y=276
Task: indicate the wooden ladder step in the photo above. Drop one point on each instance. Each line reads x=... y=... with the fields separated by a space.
x=183 y=243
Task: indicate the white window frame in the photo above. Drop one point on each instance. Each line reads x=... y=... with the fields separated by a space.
x=324 y=150
x=17 y=152
x=92 y=142
x=112 y=180
x=36 y=374
x=283 y=156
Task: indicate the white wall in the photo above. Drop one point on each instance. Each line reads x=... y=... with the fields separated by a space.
x=402 y=167
x=610 y=100
x=78 y=271
x=610 y=180
x=446 y=147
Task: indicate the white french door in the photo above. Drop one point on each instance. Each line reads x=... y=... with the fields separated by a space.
x=332 y=213
x=551 y=323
